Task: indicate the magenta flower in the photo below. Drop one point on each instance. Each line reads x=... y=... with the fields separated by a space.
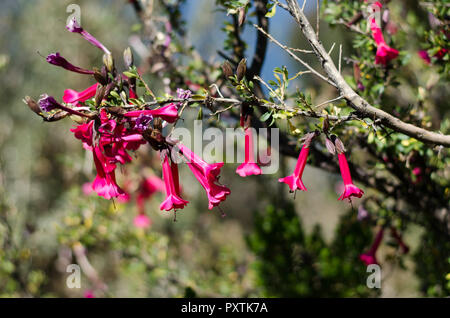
x=294 y=181
x=84 y=133
x=173 y=199
x=424 y=56
x=249 y=167
x=105 y=182
x=58 y=60
x=384 y=52
x=216 y=193
x=147 y=188
x=73 y=97
x=210 y=171
x=142 y=221
x=370 y=257
x=74 y=27
x=168 y=113
x=350 y=188
x=116 y=139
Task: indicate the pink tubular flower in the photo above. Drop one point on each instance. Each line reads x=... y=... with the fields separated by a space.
x=73 y=97
x=105 y=182
x=142 y=221
x=168 y=113
x=249 y=167
x=148 y=187
x=211 y=171
x=370 y=257
x=84 y=132
x=350 y=188
x=74 y=27
x=58 y=60
x=173 y=200
x=384 y=52
x=216 y=193
x=294 y=181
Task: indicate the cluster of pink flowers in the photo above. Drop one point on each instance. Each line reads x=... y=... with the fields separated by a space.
x=110 y=138
x=295 y=182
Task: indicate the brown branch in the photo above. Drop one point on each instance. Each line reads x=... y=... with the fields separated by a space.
x=355 y=101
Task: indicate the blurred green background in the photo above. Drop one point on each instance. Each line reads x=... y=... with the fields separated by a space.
x=267 y=245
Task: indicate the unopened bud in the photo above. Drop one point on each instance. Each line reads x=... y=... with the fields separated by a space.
x=339 y=146
x=241 y=16
x=128 y=57
x=330 y=146
x=227 y=69
x=241 y=69
x=99 y=77
x=32 y=104
x=108 y=61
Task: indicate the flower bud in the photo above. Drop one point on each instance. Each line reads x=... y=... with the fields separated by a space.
x=128 y=57
x=32 y=104
x=241 y=69
x=227 y=69
x=241 y=16
x=108 y=61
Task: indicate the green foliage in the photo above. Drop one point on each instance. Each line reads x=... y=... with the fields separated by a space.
x=291 y=263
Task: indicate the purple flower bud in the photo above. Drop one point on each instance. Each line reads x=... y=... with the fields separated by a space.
x=47 y=103
x=74 y=27
x=58 y=60
x=143 y=121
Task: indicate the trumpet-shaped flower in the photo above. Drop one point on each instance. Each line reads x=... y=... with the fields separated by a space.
x=74 y=27
x=294 y=181
x=249 y=167
x=384 y=52
x=173 y=200
x=216 y=193
x=58 y=60
x=349 y=188
x=210 y=171
x=147 y=188
x=370 y=257
x=73 y=97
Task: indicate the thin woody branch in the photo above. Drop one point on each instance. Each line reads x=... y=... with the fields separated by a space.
x=355 y=101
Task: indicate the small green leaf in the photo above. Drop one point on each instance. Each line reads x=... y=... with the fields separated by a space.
x=265 y=116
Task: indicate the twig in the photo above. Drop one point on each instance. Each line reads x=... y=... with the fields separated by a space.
x=284 y=47
x=363 y=107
